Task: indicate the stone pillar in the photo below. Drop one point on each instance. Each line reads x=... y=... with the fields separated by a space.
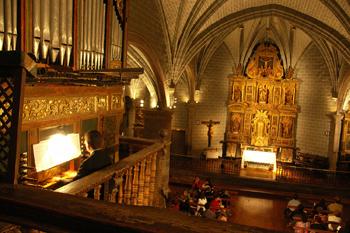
x=157 y=125
x=191 y=113
x=155 y=121
x=333 y=157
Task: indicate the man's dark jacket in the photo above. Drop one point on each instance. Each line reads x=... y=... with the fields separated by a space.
x=98 y=159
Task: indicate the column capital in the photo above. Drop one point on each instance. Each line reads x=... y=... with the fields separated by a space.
x=338 y=116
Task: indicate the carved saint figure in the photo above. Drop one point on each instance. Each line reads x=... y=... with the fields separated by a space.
x=277 y=96
x=252 y=67
x=286 y=127
x=263 y=94
x=237 y=94
x=235 y=123
x=288 y=97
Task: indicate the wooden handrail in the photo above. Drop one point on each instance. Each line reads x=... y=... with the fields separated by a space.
x=58 y=212
x=133 y=140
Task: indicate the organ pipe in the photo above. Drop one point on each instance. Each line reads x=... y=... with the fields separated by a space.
x=14 y=24
x=54 y=29
x=63 y=29
x=81 y=33
x=8 y=24
x=69 y=30
x=2 y=24
x=45 y=27
x=36 y=27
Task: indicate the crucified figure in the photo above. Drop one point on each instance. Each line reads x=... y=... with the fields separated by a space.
x=210 y=125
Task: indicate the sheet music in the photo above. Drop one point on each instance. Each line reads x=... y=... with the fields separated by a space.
x=58 y=149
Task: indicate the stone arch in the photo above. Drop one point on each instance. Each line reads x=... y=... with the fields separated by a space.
x=152 y=57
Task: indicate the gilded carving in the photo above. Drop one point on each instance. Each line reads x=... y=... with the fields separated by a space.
x=261 y=126
x=262 y=104
x=265 y=63
x=263 y=94
x=101 y=103
x=286 y=127
x=237 y=94
x=59 y=107
x=116 y=102
x=235 y=123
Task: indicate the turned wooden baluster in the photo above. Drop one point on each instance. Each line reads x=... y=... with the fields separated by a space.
x=135 y=184
x=148 y=163
x=97 y=192
x=141 y=182
x=153 y=179
x=121 y=188
x=83 y=194
x=128 y=182
x=117 y=187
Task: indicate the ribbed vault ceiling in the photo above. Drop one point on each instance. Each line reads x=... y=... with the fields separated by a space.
x=193 y=29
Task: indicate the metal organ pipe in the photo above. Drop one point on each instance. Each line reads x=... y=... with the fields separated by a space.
x=8 y=24
x=36 y=27
x=103 y=34
x=93 y=34
x=89 y=34
x=91 y=29
x=117 y=37
x=2 y=24
x=54 y=29
x=63 y=29
x=69 y=29
x=81 y=33
x=45 y=27
x=98 y=32
x=14 y=24
x=85 y=24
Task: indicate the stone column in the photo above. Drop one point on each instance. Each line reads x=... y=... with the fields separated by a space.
x=333 y=157
x=155 y=121
x=191 y=113
x=157 y=125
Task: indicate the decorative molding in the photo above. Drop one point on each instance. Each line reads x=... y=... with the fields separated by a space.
x=59 y=107
x=116 y=101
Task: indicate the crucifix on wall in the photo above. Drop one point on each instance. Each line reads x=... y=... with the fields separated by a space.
x=210 y=125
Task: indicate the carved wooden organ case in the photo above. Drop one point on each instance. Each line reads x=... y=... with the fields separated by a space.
x=262 y=108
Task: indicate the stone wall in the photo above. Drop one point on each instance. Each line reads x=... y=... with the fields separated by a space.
x=315 y=102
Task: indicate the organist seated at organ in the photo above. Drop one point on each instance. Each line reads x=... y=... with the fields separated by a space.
x=57 y=157
x=99 y=157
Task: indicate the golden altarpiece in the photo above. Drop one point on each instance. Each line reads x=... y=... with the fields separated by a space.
x=262 y=108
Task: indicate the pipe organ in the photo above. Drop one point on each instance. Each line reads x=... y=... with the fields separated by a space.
x=262 y=108
x=70 y=76
x=53 y=29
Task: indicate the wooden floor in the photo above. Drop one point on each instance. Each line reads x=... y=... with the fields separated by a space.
x=259 y=212
x=262 y=211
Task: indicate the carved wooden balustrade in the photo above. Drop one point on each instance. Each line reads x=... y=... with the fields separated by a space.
x=131 y=181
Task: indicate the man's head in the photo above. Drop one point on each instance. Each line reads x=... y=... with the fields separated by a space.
x=93 y=140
